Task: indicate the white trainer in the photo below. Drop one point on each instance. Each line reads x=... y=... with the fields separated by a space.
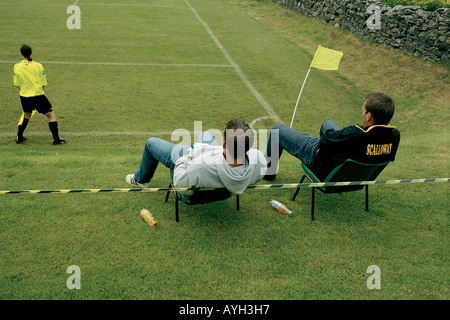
x=134 y=183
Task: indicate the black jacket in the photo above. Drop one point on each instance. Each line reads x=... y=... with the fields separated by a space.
x=374 y=144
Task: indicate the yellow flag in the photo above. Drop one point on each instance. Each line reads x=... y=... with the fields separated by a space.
x=23 y=115
x=326 y=59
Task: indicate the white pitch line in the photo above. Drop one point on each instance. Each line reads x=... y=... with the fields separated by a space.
x=91 y=134
x=131 y=64
x=238 y=70
x=256 y=120
x=127 y=5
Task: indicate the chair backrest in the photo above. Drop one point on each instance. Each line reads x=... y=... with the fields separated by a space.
x=350 y=170
x=203 y=196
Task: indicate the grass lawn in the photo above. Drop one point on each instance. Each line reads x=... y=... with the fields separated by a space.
x=140 y=68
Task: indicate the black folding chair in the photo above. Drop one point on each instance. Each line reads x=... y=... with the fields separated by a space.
x=350 y=170
x=199 y=196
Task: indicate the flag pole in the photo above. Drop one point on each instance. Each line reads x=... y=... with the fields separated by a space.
x=298 y=99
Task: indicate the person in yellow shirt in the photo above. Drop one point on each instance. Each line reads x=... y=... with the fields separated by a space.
x=30 y=79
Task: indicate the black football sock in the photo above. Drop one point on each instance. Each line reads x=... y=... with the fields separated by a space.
x=22 y=127
x=54 y=129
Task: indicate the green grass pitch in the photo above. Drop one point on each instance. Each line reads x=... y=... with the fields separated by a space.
x=141 y=68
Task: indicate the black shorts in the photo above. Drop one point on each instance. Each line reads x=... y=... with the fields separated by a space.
x=40 y=103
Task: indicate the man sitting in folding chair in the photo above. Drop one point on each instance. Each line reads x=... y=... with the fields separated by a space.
x=375 y=142
x=234 y=165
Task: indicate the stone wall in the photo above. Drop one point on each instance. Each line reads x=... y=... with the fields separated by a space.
x=424 y=33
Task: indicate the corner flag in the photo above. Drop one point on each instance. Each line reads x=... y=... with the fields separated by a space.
x=23 y=116
x=324 y=59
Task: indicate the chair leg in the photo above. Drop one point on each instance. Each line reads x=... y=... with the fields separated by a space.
x=237 y=202
x=168 y=192
x=177 y=219
x=298 y=189
x=367 y=197
x=167 y=195
x=313 y=193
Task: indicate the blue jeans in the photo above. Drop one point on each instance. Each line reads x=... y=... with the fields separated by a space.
x=157 y=150
x=300 y=145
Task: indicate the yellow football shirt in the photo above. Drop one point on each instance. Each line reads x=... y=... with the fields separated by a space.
x=30 y=77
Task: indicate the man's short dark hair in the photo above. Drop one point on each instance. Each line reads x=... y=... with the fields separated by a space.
x=239 y=138
x=26 y=51
x=381 y=106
